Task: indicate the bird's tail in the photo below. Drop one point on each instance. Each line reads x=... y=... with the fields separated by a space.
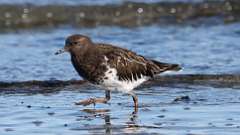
x=167 y=66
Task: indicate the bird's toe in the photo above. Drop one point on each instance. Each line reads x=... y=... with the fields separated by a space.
x=86 y=102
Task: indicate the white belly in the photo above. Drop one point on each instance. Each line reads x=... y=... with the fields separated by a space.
x=111 y=81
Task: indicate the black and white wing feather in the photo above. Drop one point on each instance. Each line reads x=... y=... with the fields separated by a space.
x=131 y=66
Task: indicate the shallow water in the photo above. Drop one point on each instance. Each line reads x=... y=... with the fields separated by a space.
x=29 y=55
x=209 y=111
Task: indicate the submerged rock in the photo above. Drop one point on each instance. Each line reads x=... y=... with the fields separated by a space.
x=182 y=99
x=49 y=86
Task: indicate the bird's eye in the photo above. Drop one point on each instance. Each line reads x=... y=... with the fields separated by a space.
x=74 y=43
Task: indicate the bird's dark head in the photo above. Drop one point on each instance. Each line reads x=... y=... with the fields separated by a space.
x=75 y=42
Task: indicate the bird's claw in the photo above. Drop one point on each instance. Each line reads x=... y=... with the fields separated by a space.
x=86 y=102
x=92 y=101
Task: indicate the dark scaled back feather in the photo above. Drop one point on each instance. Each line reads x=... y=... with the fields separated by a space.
x=131 y=66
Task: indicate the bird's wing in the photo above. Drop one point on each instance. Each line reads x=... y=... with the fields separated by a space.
x=129 y=65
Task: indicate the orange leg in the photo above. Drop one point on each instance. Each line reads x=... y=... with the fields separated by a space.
x=135 y=100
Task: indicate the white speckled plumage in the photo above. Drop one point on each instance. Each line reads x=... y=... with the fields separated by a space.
x=113 y=83
x=111 y=80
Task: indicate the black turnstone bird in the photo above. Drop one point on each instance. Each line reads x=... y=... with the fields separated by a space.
x=111 y=67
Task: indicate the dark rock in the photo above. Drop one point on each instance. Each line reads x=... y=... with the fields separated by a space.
x=182 y=99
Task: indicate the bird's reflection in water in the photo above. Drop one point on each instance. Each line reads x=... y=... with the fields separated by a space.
x=108 y=126
x=129 y=126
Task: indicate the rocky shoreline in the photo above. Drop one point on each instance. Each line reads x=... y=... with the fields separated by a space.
x=182 y=80
x=128 y=14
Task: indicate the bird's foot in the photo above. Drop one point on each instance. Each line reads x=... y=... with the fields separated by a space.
x=92 y=101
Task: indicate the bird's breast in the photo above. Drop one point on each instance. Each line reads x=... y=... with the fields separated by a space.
x=77 y=64
x=88 y=69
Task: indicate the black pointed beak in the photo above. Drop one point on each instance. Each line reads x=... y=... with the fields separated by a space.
x=60 y=51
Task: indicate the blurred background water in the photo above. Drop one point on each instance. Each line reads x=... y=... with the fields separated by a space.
x=29 y=54
x=89 y=2
x=202 y=45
